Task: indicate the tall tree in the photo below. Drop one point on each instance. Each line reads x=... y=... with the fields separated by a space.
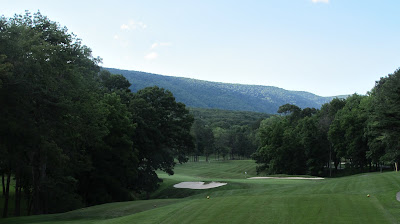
x=325 y=116
x=162 y=134
x=43 y=65
x=203 y=139
x=384 y=124
x=347 y=132
x=290 y=144
x=313 y=141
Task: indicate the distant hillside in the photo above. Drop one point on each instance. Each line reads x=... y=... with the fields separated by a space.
x=205 y=94
x=228 y=118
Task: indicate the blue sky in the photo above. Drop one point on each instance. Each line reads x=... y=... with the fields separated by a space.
x=327 y=47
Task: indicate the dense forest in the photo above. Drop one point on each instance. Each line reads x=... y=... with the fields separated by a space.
x=214 y=95
x=360 y=132
x=225 y=134
x=72 y=135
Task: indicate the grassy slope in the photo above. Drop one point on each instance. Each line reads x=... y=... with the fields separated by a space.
x=339 y=200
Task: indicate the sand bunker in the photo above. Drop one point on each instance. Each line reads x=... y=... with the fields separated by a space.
x=398 y=196
x=199 y=185
x=289 y=178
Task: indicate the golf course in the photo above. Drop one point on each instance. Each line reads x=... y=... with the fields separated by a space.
x=242 y=200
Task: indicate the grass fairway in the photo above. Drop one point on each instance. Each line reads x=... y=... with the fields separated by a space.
x=337 y=200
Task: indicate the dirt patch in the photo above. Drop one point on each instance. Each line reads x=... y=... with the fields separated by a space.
x=199 y=185
x=288 y=178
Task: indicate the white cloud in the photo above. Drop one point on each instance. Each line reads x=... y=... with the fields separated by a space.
x=116 y=37
x=151 y=56
x=124 y=27
x=318 y=1
x=154 y=45
x=164 y=44
x=133 y=25
x=142 y=25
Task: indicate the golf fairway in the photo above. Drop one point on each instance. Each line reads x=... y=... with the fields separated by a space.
x=332 y=200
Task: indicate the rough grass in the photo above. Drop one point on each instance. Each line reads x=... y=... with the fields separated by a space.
x=336 y=200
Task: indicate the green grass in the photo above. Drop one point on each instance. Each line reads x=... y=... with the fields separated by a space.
x=336 y=200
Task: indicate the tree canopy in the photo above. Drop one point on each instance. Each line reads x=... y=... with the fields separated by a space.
x=73 y=135
x=360 y=131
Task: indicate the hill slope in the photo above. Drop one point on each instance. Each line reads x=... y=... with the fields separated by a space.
x=205 y=94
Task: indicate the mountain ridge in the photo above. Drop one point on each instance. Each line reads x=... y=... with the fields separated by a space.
x=219 y=95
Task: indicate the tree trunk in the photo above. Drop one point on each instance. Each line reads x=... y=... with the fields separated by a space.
x=17 y=208
x=43 y=189
x=6 y=196
x=39 y=193
x=30 y=200
x=3 y=183
x=36 y=190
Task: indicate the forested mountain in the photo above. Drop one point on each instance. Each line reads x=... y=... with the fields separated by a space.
x=205 y=94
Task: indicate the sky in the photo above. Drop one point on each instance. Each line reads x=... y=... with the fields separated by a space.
x=326 y=47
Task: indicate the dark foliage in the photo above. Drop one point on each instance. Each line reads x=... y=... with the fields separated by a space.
x=72 y=135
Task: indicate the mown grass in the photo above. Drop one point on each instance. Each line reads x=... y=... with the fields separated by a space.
x=336 y=200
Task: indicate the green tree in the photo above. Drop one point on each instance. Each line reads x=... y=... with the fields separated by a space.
x=290 y=144
x=42 y=70
x=269 y=156
x=384 y=122
x=113 y=82
x=115 y=162
x=325 y=118
x=346 y=132
x=162 y=134
x=203 y=140
x=221 y=138
x=313 y=141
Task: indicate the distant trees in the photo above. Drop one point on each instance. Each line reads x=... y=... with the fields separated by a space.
x=306 y=141
x=204 y=140
x=283 y=149
x=225 y=134
x=71 y=134
x=361 y=130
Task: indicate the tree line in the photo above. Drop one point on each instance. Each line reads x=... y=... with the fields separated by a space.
x=72 y=134
x=224 y=134
x=361 y=131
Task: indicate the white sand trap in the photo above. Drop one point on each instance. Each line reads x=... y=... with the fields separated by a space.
x=199 y=185
x=289 y=178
